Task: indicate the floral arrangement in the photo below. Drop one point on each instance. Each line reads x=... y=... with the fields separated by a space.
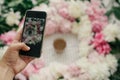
x=87 y=20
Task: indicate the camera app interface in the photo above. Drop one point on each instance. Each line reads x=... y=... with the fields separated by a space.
x=33 y=30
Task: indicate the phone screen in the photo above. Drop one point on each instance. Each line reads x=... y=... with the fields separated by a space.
x=33 y=32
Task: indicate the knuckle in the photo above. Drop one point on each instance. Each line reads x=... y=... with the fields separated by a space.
x=11 y=46
x=22 y=44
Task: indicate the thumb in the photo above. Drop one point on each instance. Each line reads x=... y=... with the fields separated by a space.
x=19 y=46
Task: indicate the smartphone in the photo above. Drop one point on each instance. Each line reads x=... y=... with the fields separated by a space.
x=33 y=32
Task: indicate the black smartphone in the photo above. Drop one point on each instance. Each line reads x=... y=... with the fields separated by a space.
x=33 y=32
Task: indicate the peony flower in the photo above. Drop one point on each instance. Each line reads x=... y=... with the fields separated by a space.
x=75 y=27
x=34 y=2
x=35 y=77
x=33 y=67
x=96 y=15
x=83 y=63
x=20 y=76
x=75 y=10
x=1 y=2
x=100 y=44
x=94 y=8
x=86 y=50
x=97 y=26
x=8 y=37
x=74 y=70
x=111 y=31
x=65 y=26
x=57 y=69
x=84 y=76
x=98 y=66
x=65 y=14
x=112 y=62
x=94 y=57
x=13 y=18
x=41 y=7
x=85 y=32
x=44 y=74
x=99 y=71
x=58 y=4
x=51 y=27
x=38 y=64
x=29 y=70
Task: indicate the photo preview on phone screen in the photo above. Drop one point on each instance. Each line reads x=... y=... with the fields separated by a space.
x=33 y=32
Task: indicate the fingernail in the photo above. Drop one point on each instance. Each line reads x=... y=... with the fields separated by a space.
x=28 y=48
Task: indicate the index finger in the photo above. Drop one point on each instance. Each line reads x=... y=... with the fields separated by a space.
x=18 y=34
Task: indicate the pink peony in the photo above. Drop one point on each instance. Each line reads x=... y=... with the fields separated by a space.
x=97 y=15
x=58 y=4
x=38 y=64
x=65 y=14
x=103 y=48
x=65 y=26
x=100 y=44
x=20 y=76
x=33 y=67
x=8 y=37
x=51 y=27
x=74 y=70
x=97 y=26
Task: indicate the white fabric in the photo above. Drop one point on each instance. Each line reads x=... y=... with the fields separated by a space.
x=69 y=55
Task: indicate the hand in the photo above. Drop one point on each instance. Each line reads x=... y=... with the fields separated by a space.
x=12 y=58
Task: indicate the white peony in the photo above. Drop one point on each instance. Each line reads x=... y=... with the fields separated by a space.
x=34 y=77
x=111 y=31
x=99 y=71
x=112 y=63
x=2 y=1
x=43 y=74
x=57 y=69
x=75 y=27
x=85 y=49
x=55 y=1
x=85 y=32
x=13 y=18
x=84 y=20
x=34 y=2
x=84 y=64
x=75 y=9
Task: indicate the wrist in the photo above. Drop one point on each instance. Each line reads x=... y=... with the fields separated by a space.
x=6 y=71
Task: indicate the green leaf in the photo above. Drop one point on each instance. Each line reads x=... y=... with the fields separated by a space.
x=115 y=46
x=42 y=1
x=14 y=3
x=118 y=1
x=108 y=13
x=116 y=11
x=116 y=75
x=1 y=43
